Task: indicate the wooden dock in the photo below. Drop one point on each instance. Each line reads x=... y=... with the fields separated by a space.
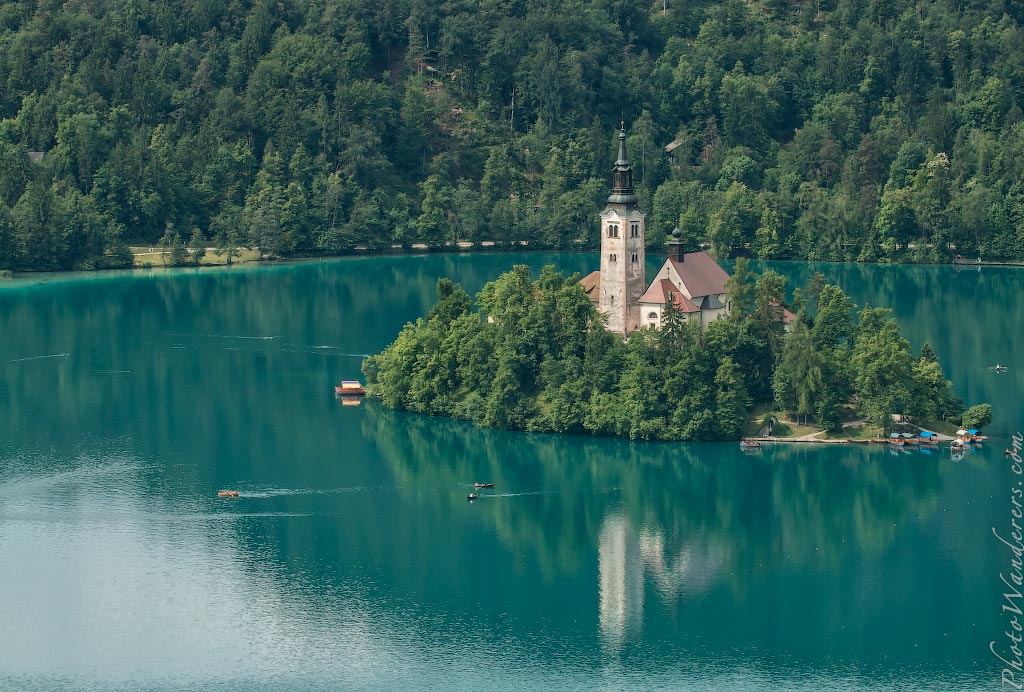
x=808 y=439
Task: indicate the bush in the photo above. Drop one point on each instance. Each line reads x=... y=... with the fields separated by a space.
x=977 y=416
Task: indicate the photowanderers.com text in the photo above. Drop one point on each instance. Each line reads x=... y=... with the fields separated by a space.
x=1010 y=653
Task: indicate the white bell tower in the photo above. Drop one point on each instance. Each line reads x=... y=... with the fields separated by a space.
x=623 y=278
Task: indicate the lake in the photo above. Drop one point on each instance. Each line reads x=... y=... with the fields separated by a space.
x=352 y=560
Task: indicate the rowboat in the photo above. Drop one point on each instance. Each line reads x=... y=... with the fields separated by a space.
x=227 y=493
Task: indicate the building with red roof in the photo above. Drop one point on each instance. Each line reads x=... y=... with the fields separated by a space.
x=692 y=281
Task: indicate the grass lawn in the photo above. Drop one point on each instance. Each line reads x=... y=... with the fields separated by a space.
x=154 y=257
x=796 y=429
x=940 y=427
x=757 y=414
x=212 y=258
x=857 y=432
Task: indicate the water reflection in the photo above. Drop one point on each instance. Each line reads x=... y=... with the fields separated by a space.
x=688 y=570
x=353 y=556
x=621 y=577
x=674 y=529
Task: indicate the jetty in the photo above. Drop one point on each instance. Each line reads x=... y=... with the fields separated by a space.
x=817 y=438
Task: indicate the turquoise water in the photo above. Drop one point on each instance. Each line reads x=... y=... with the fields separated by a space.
x=353 y=561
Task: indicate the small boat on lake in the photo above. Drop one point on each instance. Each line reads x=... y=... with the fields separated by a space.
x=483 y=485
x=227 y=493
x=349 y=388
x=472 y=496
x=749 y=444
x=896 y=439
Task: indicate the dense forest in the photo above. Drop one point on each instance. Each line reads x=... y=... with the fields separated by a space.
x=542 y=360
x=872 y=130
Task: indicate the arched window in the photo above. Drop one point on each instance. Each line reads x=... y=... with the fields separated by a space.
x=612 y=257
x=634 y=230
x=652 y=315
x=611 y=300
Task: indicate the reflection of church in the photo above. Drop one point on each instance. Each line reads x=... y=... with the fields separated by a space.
x=626 y=555
x=692 y=281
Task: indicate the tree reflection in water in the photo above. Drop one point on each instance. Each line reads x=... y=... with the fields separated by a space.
x=682 y=515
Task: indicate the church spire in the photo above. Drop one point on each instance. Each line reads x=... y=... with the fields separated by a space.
x=676 y=247
x=622 y=175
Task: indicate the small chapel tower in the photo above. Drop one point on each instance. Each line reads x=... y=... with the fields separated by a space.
x=623 y=278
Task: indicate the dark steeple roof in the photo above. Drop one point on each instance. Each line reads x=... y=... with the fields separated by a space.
x=676 y=244
x=622 y=176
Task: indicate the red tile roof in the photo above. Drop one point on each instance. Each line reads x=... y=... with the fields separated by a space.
x=592 y=285
x=701 y=274
x=787 y=316
x=659 y=291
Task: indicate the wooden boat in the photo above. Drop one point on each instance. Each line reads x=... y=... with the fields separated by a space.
x=471 y=496
x=749 y=444
x=349 y=388
x=227 y=493
x=483 y=485
x=898 y=441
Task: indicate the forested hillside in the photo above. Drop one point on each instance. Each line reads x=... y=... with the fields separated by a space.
x=831 y=129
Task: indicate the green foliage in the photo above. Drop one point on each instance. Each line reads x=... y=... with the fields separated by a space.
x=863 y=360
x=533 y=354
x=881 y=365
x=740 y=290
x=888 y=132
x=803 y=365
x=977 y=417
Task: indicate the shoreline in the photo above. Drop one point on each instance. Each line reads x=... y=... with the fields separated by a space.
x=841 y=441
x=419 y=249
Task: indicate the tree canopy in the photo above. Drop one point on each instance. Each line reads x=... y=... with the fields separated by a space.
x=839 y=130
x=534 y=354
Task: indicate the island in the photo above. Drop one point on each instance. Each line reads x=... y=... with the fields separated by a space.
x=535 y=355
x=685 y=357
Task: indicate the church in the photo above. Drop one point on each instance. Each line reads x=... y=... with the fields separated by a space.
x=692 y=281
